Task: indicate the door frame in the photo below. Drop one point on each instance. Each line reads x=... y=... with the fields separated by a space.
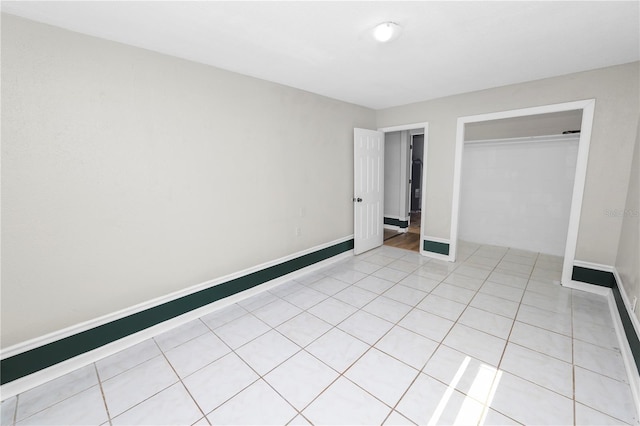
x=587 y=106
x=425 y=126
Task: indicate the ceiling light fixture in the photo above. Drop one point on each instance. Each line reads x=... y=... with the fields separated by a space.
x=386 y=31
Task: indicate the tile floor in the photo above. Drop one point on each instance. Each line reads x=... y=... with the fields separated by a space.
x=388 y=337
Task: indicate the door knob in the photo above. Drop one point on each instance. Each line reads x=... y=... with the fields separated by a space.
x=359 y=200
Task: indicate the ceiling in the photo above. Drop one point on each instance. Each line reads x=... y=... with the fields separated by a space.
x=326 y=47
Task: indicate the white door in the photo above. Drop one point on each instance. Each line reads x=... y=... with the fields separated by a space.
x=368 y=187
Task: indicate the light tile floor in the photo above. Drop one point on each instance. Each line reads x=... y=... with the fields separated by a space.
x=387 y=337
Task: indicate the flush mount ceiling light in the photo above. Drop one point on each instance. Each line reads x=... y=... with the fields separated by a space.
x=386 y=31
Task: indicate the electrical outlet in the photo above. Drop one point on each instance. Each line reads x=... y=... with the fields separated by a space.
x=634 y=303
x=298 y=231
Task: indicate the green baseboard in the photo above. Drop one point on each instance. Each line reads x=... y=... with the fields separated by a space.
x=39 y=358
x=435 y=247
x=608 y=279
x=396 y=222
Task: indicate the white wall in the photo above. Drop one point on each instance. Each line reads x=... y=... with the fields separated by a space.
x=628 y=258
x=518 y=194
x=616 y=92
x=127 y=175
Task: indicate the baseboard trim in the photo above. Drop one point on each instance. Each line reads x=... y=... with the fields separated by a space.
x=435 y=247
x=606 y=280
x=21 y=361
x=402 y=224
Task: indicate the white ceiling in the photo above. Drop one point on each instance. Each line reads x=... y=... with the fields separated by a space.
x=326 y=47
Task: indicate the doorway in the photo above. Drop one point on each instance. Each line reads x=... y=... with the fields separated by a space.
x=405 y=150
x=587 y=109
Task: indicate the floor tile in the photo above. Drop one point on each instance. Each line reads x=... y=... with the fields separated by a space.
x=299 y=420
x=463 y=281
x=596 y=335
x=345 y=403
x=307 y=297
x=507 y=279
x=599 y=360
x=355 y=296
x=407 y=295
x=304 y=328
x=426 y=324
x=241 y=330
x=286 y=288
x=528 y=403
x=267 y=351
x=442 y=307
x=137 y=384
x=482 y=261
x=404 y=266
x=493 y=418
x=223 y=315
x=337 y=349
x=590 y=388
x=332 y=310
x=494 y=324
x=257 y=301
x=309 y=278
x=375 y=284
x=126 y=359
x=387 y=309
x=407 y=346
x=419 y=283
x=382 y=376
x=589 y=417
x=301 y=378
x=349 y=276
x=8 y=411
x=503 y=291
x=553 y=304
x=365 y=326
x=181 y=334
x=541 y=340
x=539 y=368
x=365 y=267
x=466 y=374
x=559 y=323
x=477 y=344
x=328 y=286
x=257 y=404
x=86 y=407
x=520 y=268
x=196 y=353
x=380 y=259
x=398 y=419
x=453 y=292
x=390 y=274
x=275 y=313
x=47 y=394
x=473 y=272
x=213 y=385
x=172 y=406
x=430 y=402
x=494 y=304
x=546 y=288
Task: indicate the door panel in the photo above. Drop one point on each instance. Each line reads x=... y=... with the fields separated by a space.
x=368 y=189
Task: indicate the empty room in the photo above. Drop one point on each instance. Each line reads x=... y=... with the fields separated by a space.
x=292 y=212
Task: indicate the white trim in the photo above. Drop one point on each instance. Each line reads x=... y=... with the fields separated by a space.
x=589 y=288
x=587 y=106
x=625 y=350
x=35 y=379
x=432 y=254
x=425 y=156
x=86 y=325
x=594 y=266
x=396 y=228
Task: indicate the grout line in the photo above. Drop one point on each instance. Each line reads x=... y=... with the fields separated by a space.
x=104 y=398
